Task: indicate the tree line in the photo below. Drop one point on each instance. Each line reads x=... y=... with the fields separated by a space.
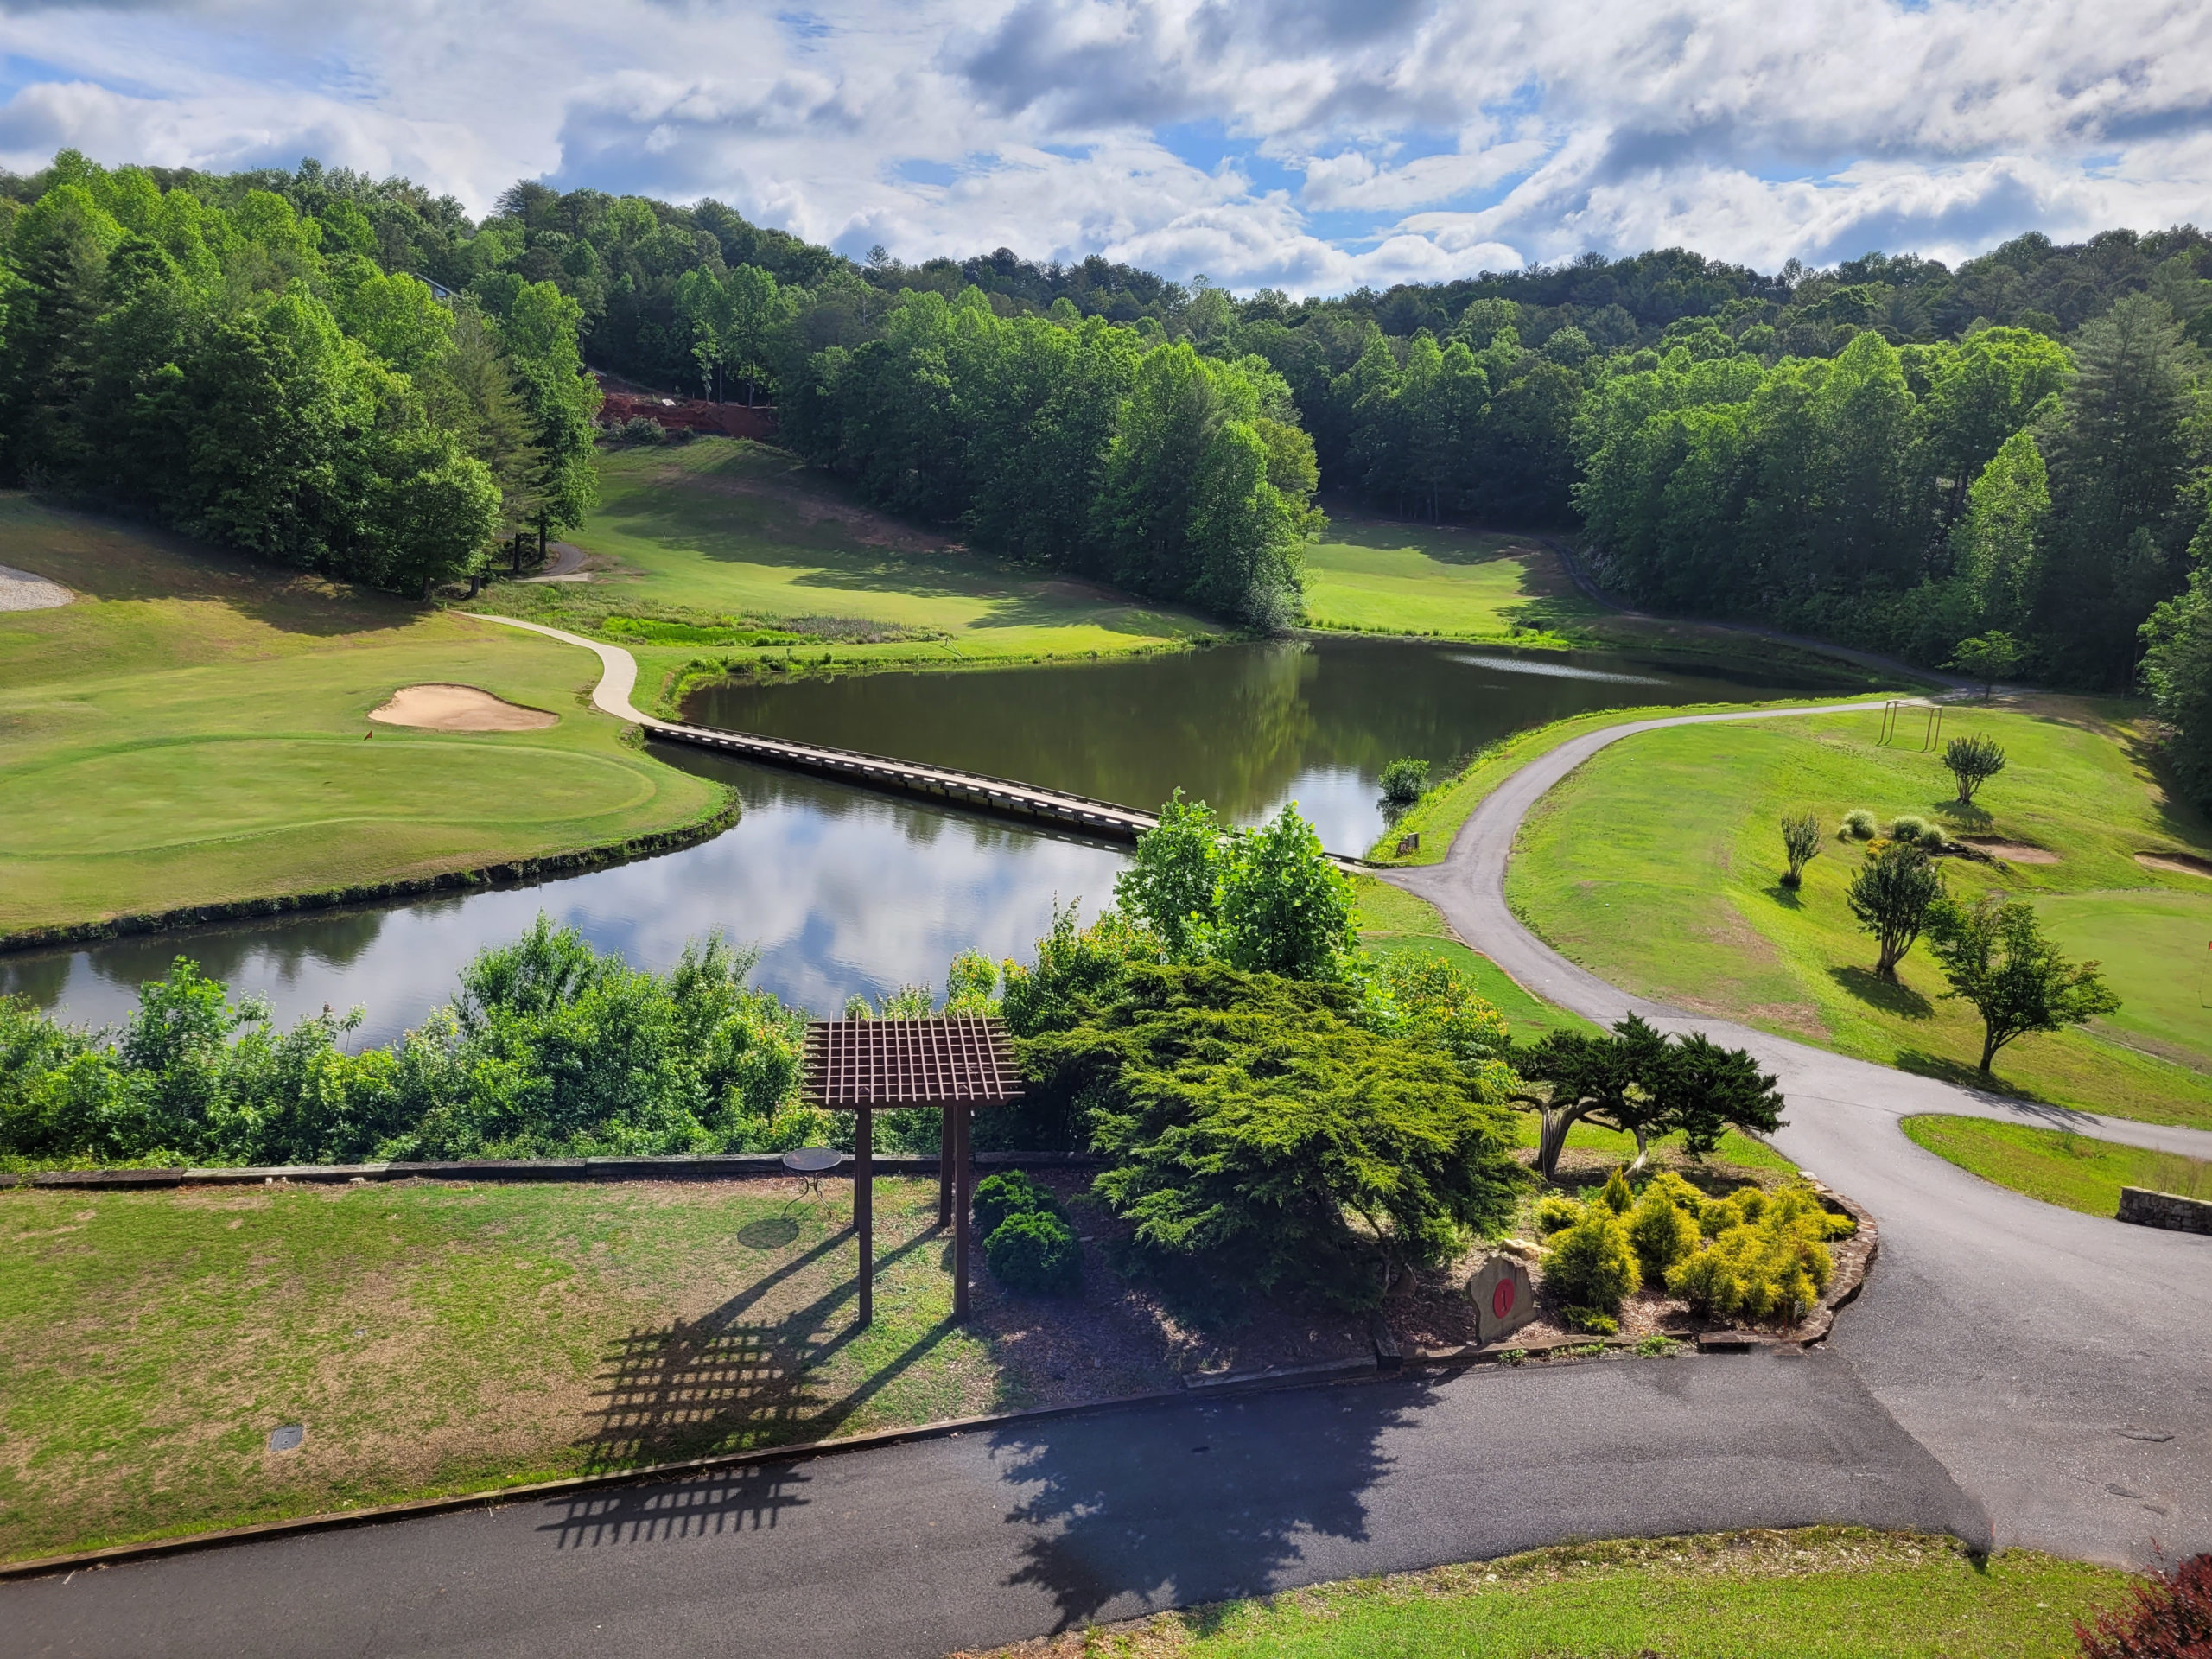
x=251 y=375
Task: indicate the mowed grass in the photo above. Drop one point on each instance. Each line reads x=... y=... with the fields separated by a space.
x=726 y=527
x=1380 y=577
x=435 y=1339
x=1814 y=1593
x=193 y=731
x=2057 y=1167
x=1658 y=866
x=1393 y=922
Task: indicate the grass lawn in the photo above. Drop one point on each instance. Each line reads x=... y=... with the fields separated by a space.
x=1393 y=921
x=725 y=528
x=1655 y=865
x=438 y=1338
x=1817 y=1593
x=2056 y=1166
x=192 y=732
x=1376 y=576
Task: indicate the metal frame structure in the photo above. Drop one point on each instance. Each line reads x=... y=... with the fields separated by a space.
x=953 y=1064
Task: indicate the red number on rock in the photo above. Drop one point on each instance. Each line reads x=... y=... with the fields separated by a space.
x=1501 y=1299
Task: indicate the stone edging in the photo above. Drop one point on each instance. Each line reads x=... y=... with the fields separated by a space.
x=522 y=872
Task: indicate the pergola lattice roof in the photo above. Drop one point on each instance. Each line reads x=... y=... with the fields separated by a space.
x=955 y=1059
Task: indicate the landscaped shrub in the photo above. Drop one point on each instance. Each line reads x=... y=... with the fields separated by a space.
x=1858 y=823
x=1556 y=1212
x=2170 y=1618
x=1801 y=844
x=1037 y=1252
x=1403 y=781
x=1772 y=1266
x=1591 y=1264
x=1618 y=1197
x=639 y=430
x=1909 y=829
x=1011 y=1193
x=1591 y=1321
x=1660 y=1233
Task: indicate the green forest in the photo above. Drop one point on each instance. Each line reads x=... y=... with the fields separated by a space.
x=2002 y=466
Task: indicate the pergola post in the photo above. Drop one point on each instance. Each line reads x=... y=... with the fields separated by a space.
x=864 y=1208
x=945 y=1171
x=957 y=1127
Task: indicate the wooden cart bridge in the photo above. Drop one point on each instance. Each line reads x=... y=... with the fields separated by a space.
x=1101 y=820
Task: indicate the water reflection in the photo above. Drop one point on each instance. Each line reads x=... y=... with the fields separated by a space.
x=846 y=892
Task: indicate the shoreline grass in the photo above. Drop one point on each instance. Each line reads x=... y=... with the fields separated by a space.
x=1655 y=865
x=1815 y=1592
x=2056 y=1166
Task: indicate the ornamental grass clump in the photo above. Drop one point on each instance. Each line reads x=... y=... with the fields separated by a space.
x=1909 y=829
x=1769 y=1264
x=1858 y=823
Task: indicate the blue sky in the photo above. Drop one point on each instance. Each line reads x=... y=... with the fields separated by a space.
x=1312 y=146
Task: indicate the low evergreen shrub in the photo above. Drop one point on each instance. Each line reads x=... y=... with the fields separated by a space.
x=1618 y=1195
x=1660 y=1233
x=1590 y=1320
x=1771 y=1266
x=998 y=1197
x=1556 y=1212
x=1036 y=1251
x=1591 y=1264
x=1403 y=781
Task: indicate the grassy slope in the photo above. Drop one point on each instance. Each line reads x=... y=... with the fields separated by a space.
x=2056 y=1166
x=728 y=527
x=1376 y=576
x=1654 y=865
x=1393 y=921
x=192 y=732
x=435 y=1339
x=1818 y=1593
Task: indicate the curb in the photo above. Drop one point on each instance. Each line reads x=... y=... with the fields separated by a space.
x=1274 y=1381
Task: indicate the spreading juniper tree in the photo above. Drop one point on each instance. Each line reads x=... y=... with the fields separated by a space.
x=1996 y=957
x=1635 y=1080
x=1892 y=896
x=1800 y=844
x=1973 y=760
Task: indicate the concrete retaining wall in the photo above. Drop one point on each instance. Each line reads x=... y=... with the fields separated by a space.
x=2169 y=1209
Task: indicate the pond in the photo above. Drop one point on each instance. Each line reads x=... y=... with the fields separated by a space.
x=843 y=892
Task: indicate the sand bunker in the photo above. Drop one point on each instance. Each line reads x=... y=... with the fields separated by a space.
x=2013 y=852
x=2175 y=863
x=21 y=591
x=459 y=708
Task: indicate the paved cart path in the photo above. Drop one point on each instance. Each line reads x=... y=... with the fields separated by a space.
x=2060 y=1365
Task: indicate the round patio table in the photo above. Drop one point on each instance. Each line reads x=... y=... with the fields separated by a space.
x=811 y=1164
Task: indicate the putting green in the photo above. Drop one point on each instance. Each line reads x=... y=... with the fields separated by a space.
x=194 y=732
x=2153 y=946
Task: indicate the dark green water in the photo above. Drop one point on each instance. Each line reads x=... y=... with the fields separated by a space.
x=843 y=891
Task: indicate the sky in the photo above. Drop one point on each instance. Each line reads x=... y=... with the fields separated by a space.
x=1311 y=147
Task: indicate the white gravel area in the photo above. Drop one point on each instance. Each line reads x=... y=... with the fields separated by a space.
x=21 y=591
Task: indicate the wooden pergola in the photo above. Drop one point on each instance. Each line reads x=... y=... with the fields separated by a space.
x=952 y=1064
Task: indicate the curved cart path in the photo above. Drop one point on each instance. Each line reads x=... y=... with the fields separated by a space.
x=2058 y=1364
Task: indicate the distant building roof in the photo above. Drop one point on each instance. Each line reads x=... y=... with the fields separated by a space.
x=439 y=291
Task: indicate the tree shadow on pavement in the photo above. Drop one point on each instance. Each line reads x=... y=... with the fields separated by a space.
x=1206 y=1502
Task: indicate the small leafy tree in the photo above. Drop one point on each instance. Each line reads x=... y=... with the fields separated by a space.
x=1403 y=781
x=1172 y=885
x=1997 y=958
x=1891 y=895
x=1642 y=1084
x=1987 y=657
x=1973 y=760
x=1285 y=908
x=1801 y=844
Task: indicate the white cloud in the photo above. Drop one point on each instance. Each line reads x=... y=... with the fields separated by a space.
x=1195 y=135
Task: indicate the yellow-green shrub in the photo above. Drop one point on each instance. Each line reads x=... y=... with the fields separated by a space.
x=1592 y=1263
x=1617 y=1196
x=1660 y=1233
x=1556 y=1212
x=1770 y=1265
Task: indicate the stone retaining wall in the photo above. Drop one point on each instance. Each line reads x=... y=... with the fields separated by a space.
x=2169 y=1209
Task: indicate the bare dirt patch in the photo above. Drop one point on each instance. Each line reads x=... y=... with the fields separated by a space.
x=2175 y=864
x=2013 y=852
x=437 y=707
x=21 y=591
